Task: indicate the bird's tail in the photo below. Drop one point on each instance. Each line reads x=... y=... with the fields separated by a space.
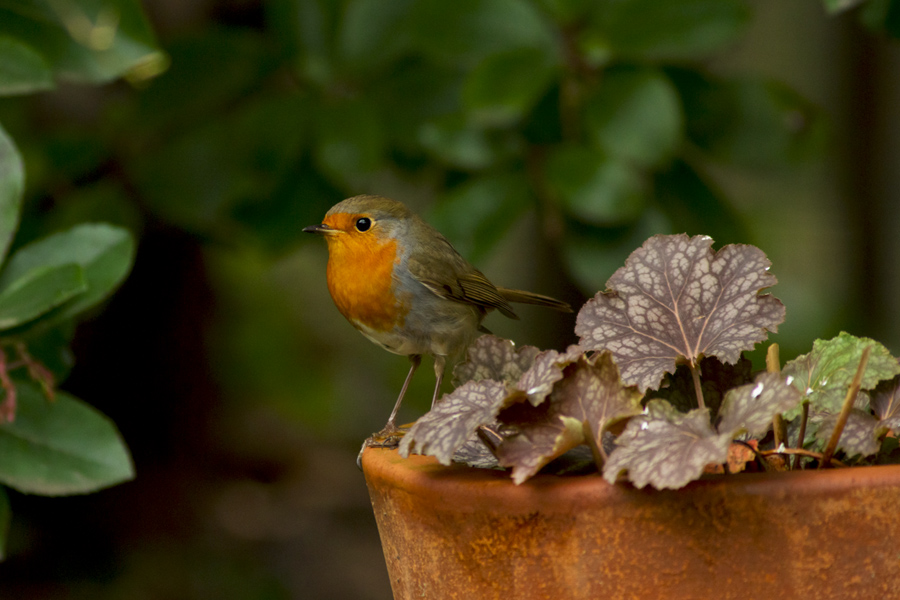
x=523 y=297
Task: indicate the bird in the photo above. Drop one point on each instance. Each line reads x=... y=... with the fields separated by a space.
x=401 y=283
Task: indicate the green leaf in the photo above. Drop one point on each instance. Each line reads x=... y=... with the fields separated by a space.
x=749 y=122
x=504 y=87
x=38 y=291
x=22 y=69
x=415 y=93
x=221 y=177
x=371 y=33
x=567 y=11
x=544 y=125
x=592 y=254
x=276 y=218
x=636 y=115
x=183 y=98
x=52 y=348
x=476 y=215
x=88 y=41
x=104 y=253
x=308 y=29
x=350 y=140
x=595 y=187
x=824 y=374
x=466 y=31
x=677 y=300
x=60 y=448
x=12 y=185
x=836 y=6
x=5 y=521
x=882 y=15
x=694 y=206
x=669 y=29
x=665 y=448
x=454 y=140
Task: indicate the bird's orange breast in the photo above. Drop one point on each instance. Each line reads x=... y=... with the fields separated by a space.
x=360 y=279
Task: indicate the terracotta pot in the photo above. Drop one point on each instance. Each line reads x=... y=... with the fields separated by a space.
x=457 y=532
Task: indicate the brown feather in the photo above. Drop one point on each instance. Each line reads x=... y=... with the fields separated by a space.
x=523 y=297
x=451 y=276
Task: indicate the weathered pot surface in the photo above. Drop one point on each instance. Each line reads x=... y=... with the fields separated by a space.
x=458 y=532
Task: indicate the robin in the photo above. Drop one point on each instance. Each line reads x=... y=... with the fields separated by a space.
x=403 y=286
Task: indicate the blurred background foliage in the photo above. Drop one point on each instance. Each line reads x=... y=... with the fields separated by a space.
x=546 y=138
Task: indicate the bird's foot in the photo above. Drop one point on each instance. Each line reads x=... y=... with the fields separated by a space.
x=389 y=438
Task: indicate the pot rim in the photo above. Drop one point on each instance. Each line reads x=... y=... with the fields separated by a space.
x=425 y=474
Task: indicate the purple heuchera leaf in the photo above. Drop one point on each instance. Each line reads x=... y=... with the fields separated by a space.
x=540 y=438
x=677 y=299
x=491 y=357
x=750 y=408
x=666 y=448
x=590 y=397
x=862 y=432
x=885 y=403
x=859 y=436
x=537 y=382
x=450 y=424
x=716 y=379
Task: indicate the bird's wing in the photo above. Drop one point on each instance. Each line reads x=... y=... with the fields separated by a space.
x=452 y=277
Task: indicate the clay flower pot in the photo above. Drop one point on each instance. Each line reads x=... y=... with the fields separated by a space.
x=459 y=532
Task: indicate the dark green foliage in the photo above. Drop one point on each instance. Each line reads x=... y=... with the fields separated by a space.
x=51 y=442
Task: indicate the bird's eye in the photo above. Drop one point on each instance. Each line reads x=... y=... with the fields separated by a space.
x=363 y=224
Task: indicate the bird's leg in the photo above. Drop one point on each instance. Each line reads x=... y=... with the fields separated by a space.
x=439 y=364
x=387 y=437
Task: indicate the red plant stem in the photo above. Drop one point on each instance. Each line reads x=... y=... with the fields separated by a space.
x=798 y=452
x=8 y=406
x=845 y=410
x=697 y=389
x=38 y=372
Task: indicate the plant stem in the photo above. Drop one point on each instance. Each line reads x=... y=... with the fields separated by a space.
x=798 y=452
x=37 y=371
x=595 y=445
x=8 y=406
x=849 y=399
x=773 y=365
x=695 y=374
x=804 y=417
x=489 y=438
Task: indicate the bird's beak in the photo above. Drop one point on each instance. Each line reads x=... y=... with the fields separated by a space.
x=322 y=229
